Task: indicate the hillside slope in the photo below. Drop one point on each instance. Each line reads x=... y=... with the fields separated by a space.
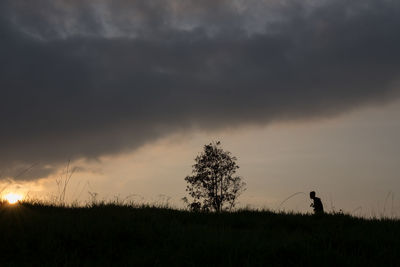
x=121 y=235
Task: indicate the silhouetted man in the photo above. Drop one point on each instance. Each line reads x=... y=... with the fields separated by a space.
x=317 y=205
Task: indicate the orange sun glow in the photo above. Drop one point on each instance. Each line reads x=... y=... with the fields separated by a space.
x=12 y=198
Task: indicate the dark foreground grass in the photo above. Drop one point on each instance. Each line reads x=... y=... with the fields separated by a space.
x=112 y=235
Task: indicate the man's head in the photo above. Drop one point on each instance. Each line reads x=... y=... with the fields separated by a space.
x=312 y=194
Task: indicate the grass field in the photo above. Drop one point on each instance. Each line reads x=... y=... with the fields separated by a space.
x=110 y=235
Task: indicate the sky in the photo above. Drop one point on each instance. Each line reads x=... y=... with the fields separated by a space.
x=303 y=93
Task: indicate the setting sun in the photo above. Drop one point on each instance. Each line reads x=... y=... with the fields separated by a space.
x=13 y=198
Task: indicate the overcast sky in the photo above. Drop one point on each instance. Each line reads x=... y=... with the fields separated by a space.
x=118 y=82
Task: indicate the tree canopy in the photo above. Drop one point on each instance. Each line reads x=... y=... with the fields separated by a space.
x=213 y=184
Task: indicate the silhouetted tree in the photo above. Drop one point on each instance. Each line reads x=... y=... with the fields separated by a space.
x=213 y=185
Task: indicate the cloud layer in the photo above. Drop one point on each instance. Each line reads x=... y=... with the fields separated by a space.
x=88 y=78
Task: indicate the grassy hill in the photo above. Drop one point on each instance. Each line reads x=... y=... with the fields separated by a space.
x=109 y=235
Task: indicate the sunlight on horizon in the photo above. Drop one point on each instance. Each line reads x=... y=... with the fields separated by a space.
x=13 y=198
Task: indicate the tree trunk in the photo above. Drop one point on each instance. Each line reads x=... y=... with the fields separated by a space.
x=220 y=199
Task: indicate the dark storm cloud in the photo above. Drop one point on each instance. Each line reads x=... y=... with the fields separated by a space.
x=88 y=78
